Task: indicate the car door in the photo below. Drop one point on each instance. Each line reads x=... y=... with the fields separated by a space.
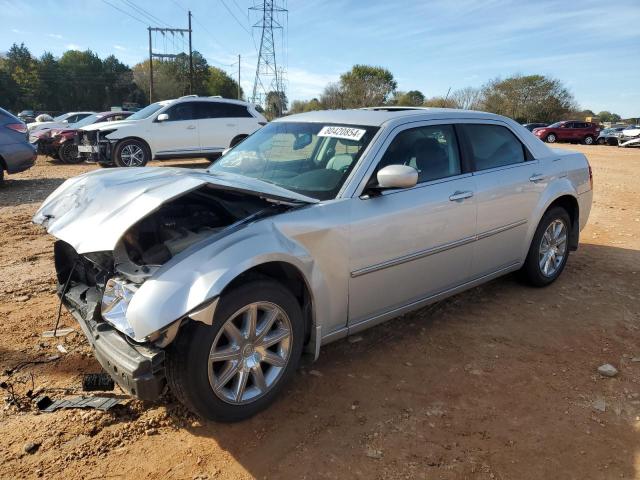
x=216 y=128
x=178 y=135
x=409 y=244
x=508 y=184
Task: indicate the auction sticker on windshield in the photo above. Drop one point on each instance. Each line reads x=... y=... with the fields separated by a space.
x=346 y=133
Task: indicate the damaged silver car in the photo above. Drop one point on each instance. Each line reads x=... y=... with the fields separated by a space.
x=215 y=282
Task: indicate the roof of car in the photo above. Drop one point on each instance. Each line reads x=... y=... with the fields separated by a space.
x=209 y=99
x=113 y=112
x=379 y=115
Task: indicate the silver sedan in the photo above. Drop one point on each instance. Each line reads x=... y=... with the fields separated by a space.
x=317 y=226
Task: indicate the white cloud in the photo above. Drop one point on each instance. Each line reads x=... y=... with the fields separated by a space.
x=304 y=84
x=72 y=46
x=120 y=47
x=54 y=35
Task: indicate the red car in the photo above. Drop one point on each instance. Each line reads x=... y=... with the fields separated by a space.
x=58 y=143
x=569 y=131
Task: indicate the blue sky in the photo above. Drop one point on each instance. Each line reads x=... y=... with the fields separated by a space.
x=592 y=46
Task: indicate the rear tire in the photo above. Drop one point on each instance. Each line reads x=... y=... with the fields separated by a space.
x=551 y=138
x=602 y=141
x=248 y=374
x=68 y=153
x=549 y=249
x=1 y=175
x=131 y=153
x=588 y=140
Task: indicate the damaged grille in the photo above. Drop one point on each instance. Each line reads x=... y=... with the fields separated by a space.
x=87 y=138
x=86 y=278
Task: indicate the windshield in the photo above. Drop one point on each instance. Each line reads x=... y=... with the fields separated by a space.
x=86 y=121
x=146 y=111
x=313 y=159
x=59 y=118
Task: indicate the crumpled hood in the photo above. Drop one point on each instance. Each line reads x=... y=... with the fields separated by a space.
x=92 y=211
x=109 y=125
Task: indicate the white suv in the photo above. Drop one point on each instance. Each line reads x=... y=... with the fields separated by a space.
x=187 y=127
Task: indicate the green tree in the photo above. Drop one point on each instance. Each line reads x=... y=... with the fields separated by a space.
x=23 y=69
x=412 y=98
x=367 y=86
x=83 y=81
x=531 y=98
x=276 y=104
x=220 y=83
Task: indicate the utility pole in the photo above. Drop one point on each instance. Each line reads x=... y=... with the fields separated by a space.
x=161 y=56
x=239 y=89
x=269 y=78
x=150 y=69
x=190 y=58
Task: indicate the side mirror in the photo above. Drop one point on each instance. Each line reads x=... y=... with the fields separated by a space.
x=397 y=176
x=65 y=121
x=163 y=117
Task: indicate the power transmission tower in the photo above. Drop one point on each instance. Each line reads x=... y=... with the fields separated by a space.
x=153 y=54
x=269 y=77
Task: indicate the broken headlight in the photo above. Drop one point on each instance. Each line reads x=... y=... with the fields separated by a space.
x=115 y=301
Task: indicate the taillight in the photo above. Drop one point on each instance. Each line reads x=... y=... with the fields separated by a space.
x=590 y=177
x=17 y=127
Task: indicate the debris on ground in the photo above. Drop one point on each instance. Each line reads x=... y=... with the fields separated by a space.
x=61 y=332
x=354 y=338
x=600 y=405
x=31 y=447
x=61 y=348
x=99 y=403
x=92 y=382
x=315 y=373
x=607 y=370
x=373 y=453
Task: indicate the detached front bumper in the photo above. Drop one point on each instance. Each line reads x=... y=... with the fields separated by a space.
x=138 y=369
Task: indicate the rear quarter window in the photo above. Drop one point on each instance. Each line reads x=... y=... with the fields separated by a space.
x=491 y=146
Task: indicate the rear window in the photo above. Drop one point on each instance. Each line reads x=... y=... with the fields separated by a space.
x=222 y=110
x=493 y=146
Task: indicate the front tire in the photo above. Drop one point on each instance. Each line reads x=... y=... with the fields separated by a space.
x=236 y=367
x=551 y=138
x=131 y=153
x=549 y=249
x=68 y=153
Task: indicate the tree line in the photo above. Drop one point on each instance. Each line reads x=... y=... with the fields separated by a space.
x=525 y=98
x=81 y=80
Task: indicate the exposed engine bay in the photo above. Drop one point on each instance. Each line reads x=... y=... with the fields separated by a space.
x=180 y=223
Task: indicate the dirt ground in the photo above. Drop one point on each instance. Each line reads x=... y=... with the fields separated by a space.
x=499 y=382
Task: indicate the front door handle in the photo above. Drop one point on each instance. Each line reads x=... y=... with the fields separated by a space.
x=459 y=196
x=536 y=177
x=191 y=127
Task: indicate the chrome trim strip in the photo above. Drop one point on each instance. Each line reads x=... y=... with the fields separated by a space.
x=504 y=228
x=433 y=250
x=415 y=304
x=412 y=256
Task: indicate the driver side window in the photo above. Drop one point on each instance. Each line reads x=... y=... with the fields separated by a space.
x=181 y=111
x=432 y=151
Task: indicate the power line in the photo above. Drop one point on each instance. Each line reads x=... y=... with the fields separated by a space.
x=126 y=13
x=144 y=12
x=234 y=17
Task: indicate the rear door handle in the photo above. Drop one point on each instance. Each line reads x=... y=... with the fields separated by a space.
x=536 y=177
x=459 y=196
x=191 y=127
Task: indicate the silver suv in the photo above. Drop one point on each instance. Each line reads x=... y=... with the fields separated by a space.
x=315 y=227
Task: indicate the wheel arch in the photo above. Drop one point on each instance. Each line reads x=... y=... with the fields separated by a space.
x=3 y=164
x=290 y=277
x=570 y=204
x=237 y=139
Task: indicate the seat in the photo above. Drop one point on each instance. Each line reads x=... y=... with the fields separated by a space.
x=340 y=162
x=431 y=160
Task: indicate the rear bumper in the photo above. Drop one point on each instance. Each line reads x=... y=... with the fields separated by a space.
x=138 y=369
x=18 y=157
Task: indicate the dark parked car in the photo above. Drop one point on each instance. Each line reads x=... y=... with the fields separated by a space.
x=16 y=153
x=531 y=126
x=27 y=116
x=59 y=143
x=569 y=131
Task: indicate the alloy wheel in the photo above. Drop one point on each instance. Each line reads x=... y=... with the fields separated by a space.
x=250 y=353
x=132 y=155
x=551 y=138
x=553 y=248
